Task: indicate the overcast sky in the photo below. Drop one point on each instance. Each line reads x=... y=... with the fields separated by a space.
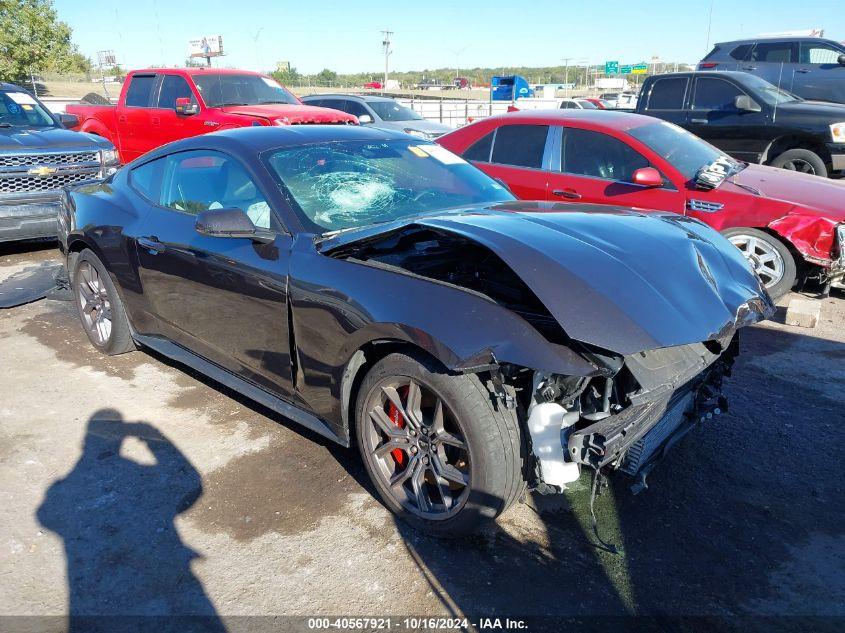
x=344 y=35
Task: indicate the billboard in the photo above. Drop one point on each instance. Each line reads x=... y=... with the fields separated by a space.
x=207 y=46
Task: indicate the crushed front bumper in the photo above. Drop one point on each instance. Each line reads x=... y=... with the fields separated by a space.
x=635 y=439
x=31 y=217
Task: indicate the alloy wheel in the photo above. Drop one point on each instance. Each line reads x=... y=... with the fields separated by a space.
x=416 y=448
x=766 y=261
x=799 y=164
x=94 y=303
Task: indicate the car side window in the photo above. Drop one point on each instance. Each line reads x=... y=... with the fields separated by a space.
x=354 y=108
x=742 y=52
x=568 y=105
x=819 y=54
x=777 y=52
x=714 y=94
x=202 y=180
x=173 y=87
x=139 y=91
x=480 y=150
x=667 y=94
x=598 y=155
x=146 y=179
x=520 y=145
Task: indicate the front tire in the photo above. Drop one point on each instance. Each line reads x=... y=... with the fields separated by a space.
x=768 y=256
x=442 y=452
x=99 y=306
x=802 y=160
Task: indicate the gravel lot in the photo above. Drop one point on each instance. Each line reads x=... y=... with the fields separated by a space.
x=132 y=486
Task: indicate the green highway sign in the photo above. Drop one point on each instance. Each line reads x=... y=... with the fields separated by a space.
x=625 y=70
x=639 y=69
x=611 y=68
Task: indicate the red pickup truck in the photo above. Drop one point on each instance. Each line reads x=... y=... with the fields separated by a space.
x=157 y=106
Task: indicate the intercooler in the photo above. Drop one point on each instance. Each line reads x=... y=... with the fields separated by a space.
x=639 y=454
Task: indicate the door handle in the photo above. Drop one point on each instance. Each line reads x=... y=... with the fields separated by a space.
x=155 y=120
x=698 y=121
x=121 y=118
x=749 y=67
x=803 y=70
x=571 y=194
x=151 y=244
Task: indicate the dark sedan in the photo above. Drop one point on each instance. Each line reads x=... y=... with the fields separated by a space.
x=383 y=292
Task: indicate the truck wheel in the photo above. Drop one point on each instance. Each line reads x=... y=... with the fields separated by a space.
x=442 y=453
x=769 y=257
x=100 y=308
x=802 y=160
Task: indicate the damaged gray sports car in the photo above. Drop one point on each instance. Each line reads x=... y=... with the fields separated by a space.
x=386 y=294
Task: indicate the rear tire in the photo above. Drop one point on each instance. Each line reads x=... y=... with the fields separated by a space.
x=99 y=306
x=457 y=469
x=802 y=160
x=770 y=258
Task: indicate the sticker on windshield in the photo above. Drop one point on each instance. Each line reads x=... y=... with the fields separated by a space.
x=14 y=108
x=20 y=98
x=442 y=154
x=712 y=175
x=417 y=151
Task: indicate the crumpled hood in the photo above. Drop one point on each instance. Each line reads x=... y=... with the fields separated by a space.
x=823 y=196
x=295 y=114
x=620 y=279
x=52 y=139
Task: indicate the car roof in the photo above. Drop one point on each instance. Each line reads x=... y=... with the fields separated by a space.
x=341 y=95
x=736 y=74
x=607 y=118
x=768 y=40
x=199 y=70
x=8 y=86
x=252 y=140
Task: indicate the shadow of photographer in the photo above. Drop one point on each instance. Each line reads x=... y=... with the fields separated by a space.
x=115 y=512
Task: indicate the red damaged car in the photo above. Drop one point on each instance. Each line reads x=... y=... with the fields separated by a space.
x=789 y=225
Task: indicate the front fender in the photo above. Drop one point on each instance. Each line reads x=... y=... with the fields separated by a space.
x=811 y=235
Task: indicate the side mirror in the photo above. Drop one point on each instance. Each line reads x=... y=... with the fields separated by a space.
x=648 y=177
x=841 y=59
x=184 y=105
x=230 y=223
x=364 y=119
x=69 y=120
x=744 y=103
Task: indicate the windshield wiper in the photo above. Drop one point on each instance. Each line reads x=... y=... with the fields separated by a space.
x=272 y=102
x=233 y=103
x=5 y=124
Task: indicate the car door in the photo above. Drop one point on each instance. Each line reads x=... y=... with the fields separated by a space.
x=166 y=125
x=776 y=62
x=715 y=118
x=598 y=168
x=666 y=99
x=224 y=298
x=819 y=74
x=133 y=116
x=518 y=154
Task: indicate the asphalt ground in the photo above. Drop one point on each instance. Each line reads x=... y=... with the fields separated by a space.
x=132 y=486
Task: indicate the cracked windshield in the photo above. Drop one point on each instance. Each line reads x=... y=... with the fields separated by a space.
x=350 y=184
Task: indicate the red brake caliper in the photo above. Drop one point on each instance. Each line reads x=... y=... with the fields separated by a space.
x=396 y=418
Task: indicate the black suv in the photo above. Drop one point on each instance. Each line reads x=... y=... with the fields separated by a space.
x=750 y=119
x=811 y=67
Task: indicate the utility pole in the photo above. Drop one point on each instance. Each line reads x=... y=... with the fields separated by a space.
x=566 y=74
x=385 y=42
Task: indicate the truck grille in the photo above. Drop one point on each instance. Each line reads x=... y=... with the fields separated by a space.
x=68 y=168
x=18 y=160
x=27 y=184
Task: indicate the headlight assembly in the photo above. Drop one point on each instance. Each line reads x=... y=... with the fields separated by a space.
x=108 y=156
x=837 y=132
